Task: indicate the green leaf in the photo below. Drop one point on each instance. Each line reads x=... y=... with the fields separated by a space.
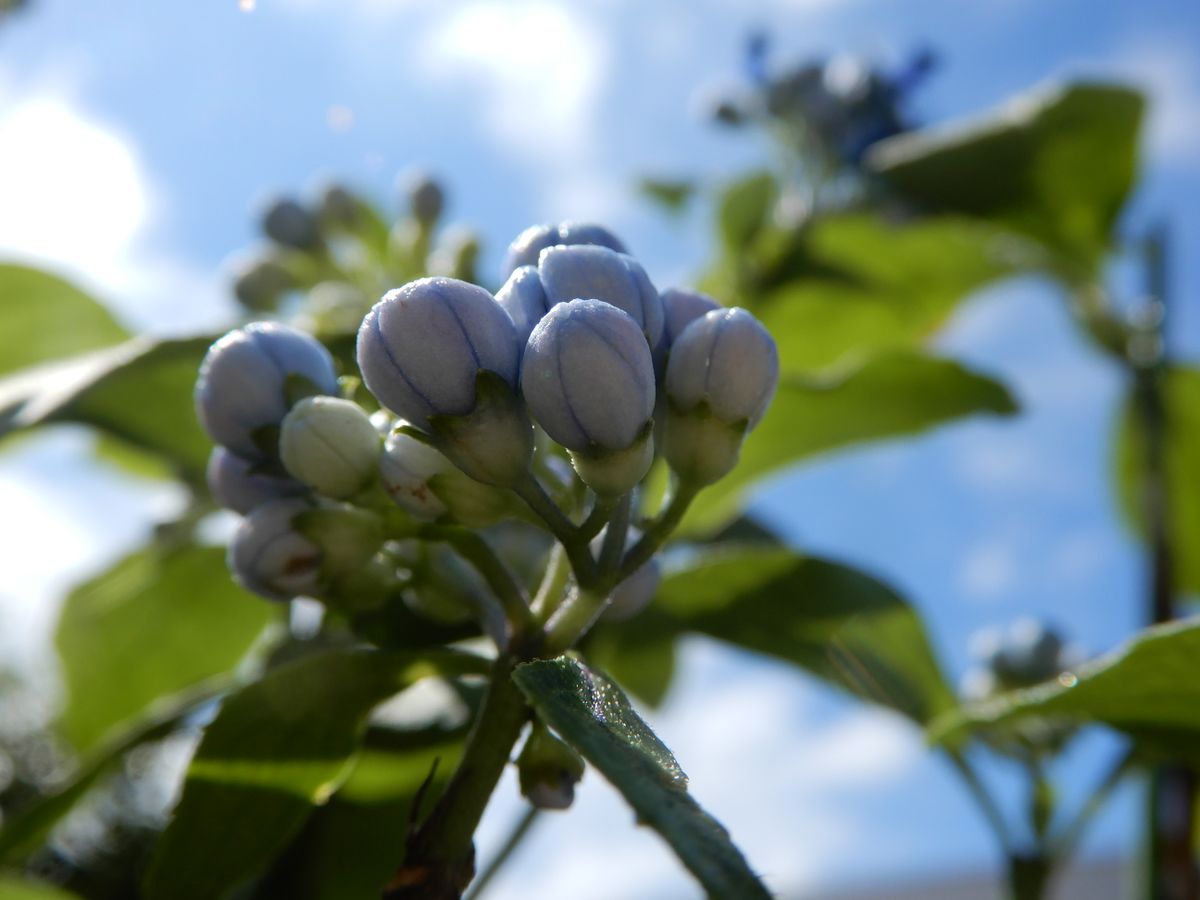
x=888 y=395
x=139 y=392
x=43 y=317
x=831 y=620
x=276 y=749
x=672 y=194
x=14 y=887
x=592 y=715
x=1147 y=689
x=641 y=661
x=1055 y=165
x=878 y=285
x=1181 y=401
x=744 y=209
x=159 y=621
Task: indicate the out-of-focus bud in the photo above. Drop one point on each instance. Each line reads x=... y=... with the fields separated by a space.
x=236 y=485
x=338 y=208
x=457 y=254
x=523 y=298
x=588 y=380
x=347 y=536
x=260 y=283
x=288 y=223
x=722 y=373
x=548 y=769
x=633 y=594
x=268 y=556
x=249 y=379
x=446 y=589
x=525 y=250
x=330 y=445
x=1030 y=653
x=587 y=272
x=681 y=308
x=444 y=355
x=424 y=196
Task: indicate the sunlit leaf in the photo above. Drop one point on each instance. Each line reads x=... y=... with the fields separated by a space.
x=592 y=715
x=744 y=209
x=13 y=887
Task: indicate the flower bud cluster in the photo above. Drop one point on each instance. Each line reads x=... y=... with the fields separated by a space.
x=1027 y=653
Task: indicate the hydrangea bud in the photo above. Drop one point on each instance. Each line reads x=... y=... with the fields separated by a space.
x=588 y=380
x=268 y=556
x=722 y=373
x=523 y=298
x=248 y=378
x=525 y=250
x=598 y=273
x=236 y=485
x=633 y=594
x=424 y=196
x=444 y=355
x=548 y=769
x=288 y=223
x=330 y=445
x=258 y=284
x=681 y=308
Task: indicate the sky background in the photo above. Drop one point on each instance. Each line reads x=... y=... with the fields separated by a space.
x=138 y=138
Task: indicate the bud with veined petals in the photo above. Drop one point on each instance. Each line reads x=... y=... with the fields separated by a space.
x=588 y=380
x=330 y=445
x=236 y=485
x=681 y=308
x=529 y=244
x=268 y=556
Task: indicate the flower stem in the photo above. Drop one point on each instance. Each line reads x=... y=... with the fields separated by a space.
x=554 y=583
x=531 y=491
x=475 y=550
x=659 y=530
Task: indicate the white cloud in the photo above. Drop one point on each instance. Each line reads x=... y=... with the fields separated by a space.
x=1167 y=68
x=988 y=569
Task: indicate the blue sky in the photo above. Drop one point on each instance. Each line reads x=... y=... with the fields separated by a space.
x=136 y=139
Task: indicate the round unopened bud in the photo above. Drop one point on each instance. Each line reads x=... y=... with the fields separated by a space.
x=1029 y=653
x=248 y=378
x=268 y=556
x=405 y=469
x=588 y=379
x=548 y=769
x=525 y=250
x=337 y=208
x=589 y=272
x=721 y=375
x=681 y=308
x=236 y=485
x=424 y=195
x=260 y=283
x=288 y=223
x=330 y=445
x=523 y=298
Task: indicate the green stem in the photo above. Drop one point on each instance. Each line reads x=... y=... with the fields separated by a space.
x=659 y=530
x=572 y=620
x=515 y=837
x=614 y=538
x=475 y=550
x=599 y=515
x=554 y=583
x=440 y=859
x=984 y=800
x=531 y=491
x=1064 y=844
x=1029 y=875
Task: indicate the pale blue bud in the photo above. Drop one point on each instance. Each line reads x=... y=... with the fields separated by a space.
x=246 y=381
x=681 y=308
x=236 y=485
x=268 y=556
x=330 y=445
x=523 y=298
x=598 y=273
x=422 y=346
x=727 y=361
x=525 y=250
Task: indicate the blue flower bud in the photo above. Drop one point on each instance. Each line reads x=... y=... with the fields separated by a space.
x=330 y=445
x=268 y=556
x=523 y=298
x=721 y=375
x=681 y=308
x=288 y=223
x=598 y=273
x=246 y=380
x=525 y=250
x=236 y=485
x=422 y=347
x=588 y=380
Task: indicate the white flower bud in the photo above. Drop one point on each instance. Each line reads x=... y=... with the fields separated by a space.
x=330 y=445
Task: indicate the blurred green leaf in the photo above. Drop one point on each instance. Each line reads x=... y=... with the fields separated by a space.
x=139 y=392
x=885 y=285
x=673 y=195
x=14 y=887
x=590 y=713
x=1181 y=400
x=351 y=846
x=641 y=661
x=831 y=620
x=744 y=209
x=888 y=395
x=1147 y=689
x=159 y=621
x=277 y=748
x=43 y=317
x=1055 y=165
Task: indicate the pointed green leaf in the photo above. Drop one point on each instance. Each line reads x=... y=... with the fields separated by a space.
x=277 y=748
x=592 y=715
x=744 y=209
x=1147 y=689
